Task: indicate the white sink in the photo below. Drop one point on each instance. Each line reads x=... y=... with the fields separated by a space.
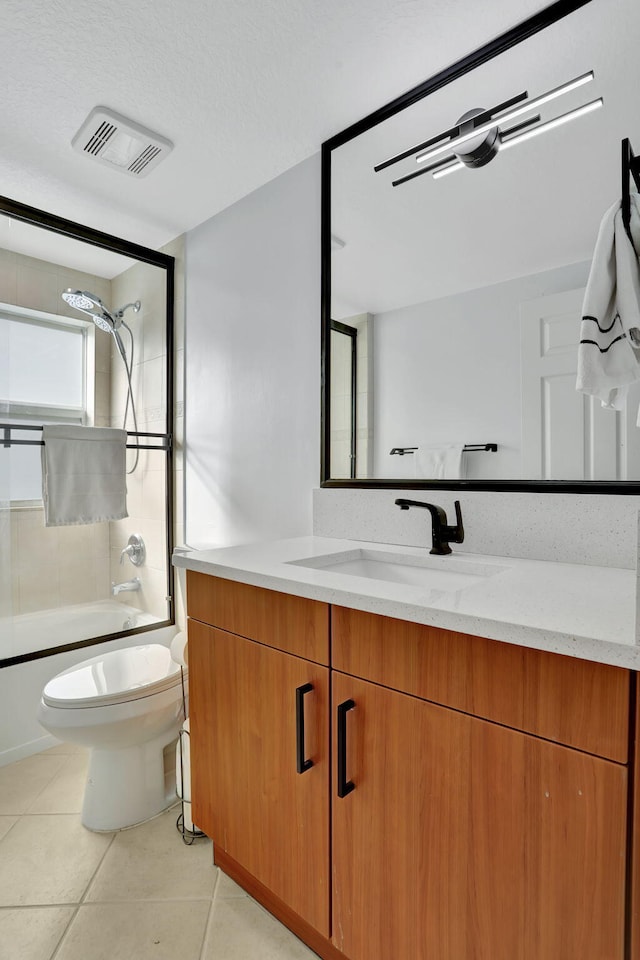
x=446 y=574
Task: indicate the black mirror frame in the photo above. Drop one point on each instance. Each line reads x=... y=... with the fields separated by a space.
x=540 y=21
x=78 y=231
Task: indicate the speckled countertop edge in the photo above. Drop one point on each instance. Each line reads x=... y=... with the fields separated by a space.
x=577 y=610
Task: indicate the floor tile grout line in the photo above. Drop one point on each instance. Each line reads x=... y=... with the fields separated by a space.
x=37 y=906
x=59 y=813
x=56 y=949
x=39 y=794
x=18 y=817
x=47 y=784
x=110 y=903
x=123 y=900
x=95 y=872
x=67 y=758
x=81 y=901
x=205 y=932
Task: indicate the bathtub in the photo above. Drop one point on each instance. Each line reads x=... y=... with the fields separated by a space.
x=60 y=626
x=21 y=684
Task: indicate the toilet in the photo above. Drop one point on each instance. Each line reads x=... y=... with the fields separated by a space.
x=127 y=706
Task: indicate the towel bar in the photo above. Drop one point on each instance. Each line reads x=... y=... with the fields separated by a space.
x=9 y=441
x=468 y=448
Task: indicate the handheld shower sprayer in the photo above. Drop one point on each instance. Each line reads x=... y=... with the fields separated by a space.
x=110 y=322
x=93 y=306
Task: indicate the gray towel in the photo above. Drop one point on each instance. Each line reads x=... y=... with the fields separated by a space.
x=83 y=474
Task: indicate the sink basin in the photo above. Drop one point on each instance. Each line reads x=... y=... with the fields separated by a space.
x=447 y=574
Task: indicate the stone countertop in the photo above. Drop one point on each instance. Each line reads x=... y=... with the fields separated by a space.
x=573 y=609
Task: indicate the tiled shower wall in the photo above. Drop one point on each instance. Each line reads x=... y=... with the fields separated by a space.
x=146 y=485
x=56 y=566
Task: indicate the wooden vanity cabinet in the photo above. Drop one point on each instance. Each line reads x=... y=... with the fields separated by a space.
x=247 y=701
x=477 y=802
x=464 y=839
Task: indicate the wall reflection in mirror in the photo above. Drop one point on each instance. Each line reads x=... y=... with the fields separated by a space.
x=461 y=265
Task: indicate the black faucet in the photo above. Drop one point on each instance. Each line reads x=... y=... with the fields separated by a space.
x=441 y=534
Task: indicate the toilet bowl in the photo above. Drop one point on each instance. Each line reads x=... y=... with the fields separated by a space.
x=127 y=706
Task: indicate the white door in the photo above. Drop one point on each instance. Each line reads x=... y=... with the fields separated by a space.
x=565 y=434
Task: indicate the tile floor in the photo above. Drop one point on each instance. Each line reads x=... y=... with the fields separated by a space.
x=140 y=894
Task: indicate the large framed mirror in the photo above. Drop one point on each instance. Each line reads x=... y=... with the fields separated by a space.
x=455 y=267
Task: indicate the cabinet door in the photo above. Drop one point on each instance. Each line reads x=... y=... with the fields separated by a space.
x=464 y=840
x=247 y=794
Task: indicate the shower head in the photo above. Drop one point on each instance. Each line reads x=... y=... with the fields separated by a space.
x=93 y=306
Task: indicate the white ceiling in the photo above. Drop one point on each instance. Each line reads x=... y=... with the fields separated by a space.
x=244 y=88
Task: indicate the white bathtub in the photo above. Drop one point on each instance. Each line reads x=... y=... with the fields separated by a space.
x=21 y=685
x=60 y=626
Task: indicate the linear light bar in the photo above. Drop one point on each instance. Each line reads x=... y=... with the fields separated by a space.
x=508 y=115
x=450 y=168
x=528 y=134
x=552 y=124
x=446 y=161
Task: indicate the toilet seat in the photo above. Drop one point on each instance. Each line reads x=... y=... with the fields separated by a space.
x=116 y=677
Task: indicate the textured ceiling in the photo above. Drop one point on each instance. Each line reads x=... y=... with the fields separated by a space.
x=244 y=89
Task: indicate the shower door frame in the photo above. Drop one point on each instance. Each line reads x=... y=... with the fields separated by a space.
x=135 y=251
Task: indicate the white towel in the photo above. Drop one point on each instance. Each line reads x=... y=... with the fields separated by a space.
x=439 y=461
x=607 y=361
x=83 y=474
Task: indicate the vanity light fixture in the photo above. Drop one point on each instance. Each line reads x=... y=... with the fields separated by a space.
x=510 y=114
x=506 y=140
x=479 y=134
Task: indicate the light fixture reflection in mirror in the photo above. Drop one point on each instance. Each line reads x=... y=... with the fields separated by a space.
x=515 y=139
x=511 y=114
x=468 y=298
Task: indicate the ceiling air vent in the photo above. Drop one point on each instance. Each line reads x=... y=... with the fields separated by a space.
x=120 y=143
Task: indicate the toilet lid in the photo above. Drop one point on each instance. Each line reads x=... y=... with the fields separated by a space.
x=114 y=677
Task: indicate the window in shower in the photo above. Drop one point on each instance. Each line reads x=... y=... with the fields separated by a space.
x=50 y=379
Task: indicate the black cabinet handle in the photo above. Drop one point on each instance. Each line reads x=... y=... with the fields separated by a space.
x=301 y=763
x=344 y=786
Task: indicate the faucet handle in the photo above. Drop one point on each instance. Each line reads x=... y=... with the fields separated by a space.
x=457 y=533
x=127 y=552
x=135 y=550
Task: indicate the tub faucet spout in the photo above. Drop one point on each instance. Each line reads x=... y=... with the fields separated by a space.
x=125 y=587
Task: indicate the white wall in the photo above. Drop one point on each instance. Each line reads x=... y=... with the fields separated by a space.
x=449 y=371
x=252 y=374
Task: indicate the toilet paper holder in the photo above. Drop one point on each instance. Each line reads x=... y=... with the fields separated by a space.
x=184 y=824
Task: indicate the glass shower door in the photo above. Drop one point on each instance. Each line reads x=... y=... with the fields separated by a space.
x=343 y=400
x=6 y=565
